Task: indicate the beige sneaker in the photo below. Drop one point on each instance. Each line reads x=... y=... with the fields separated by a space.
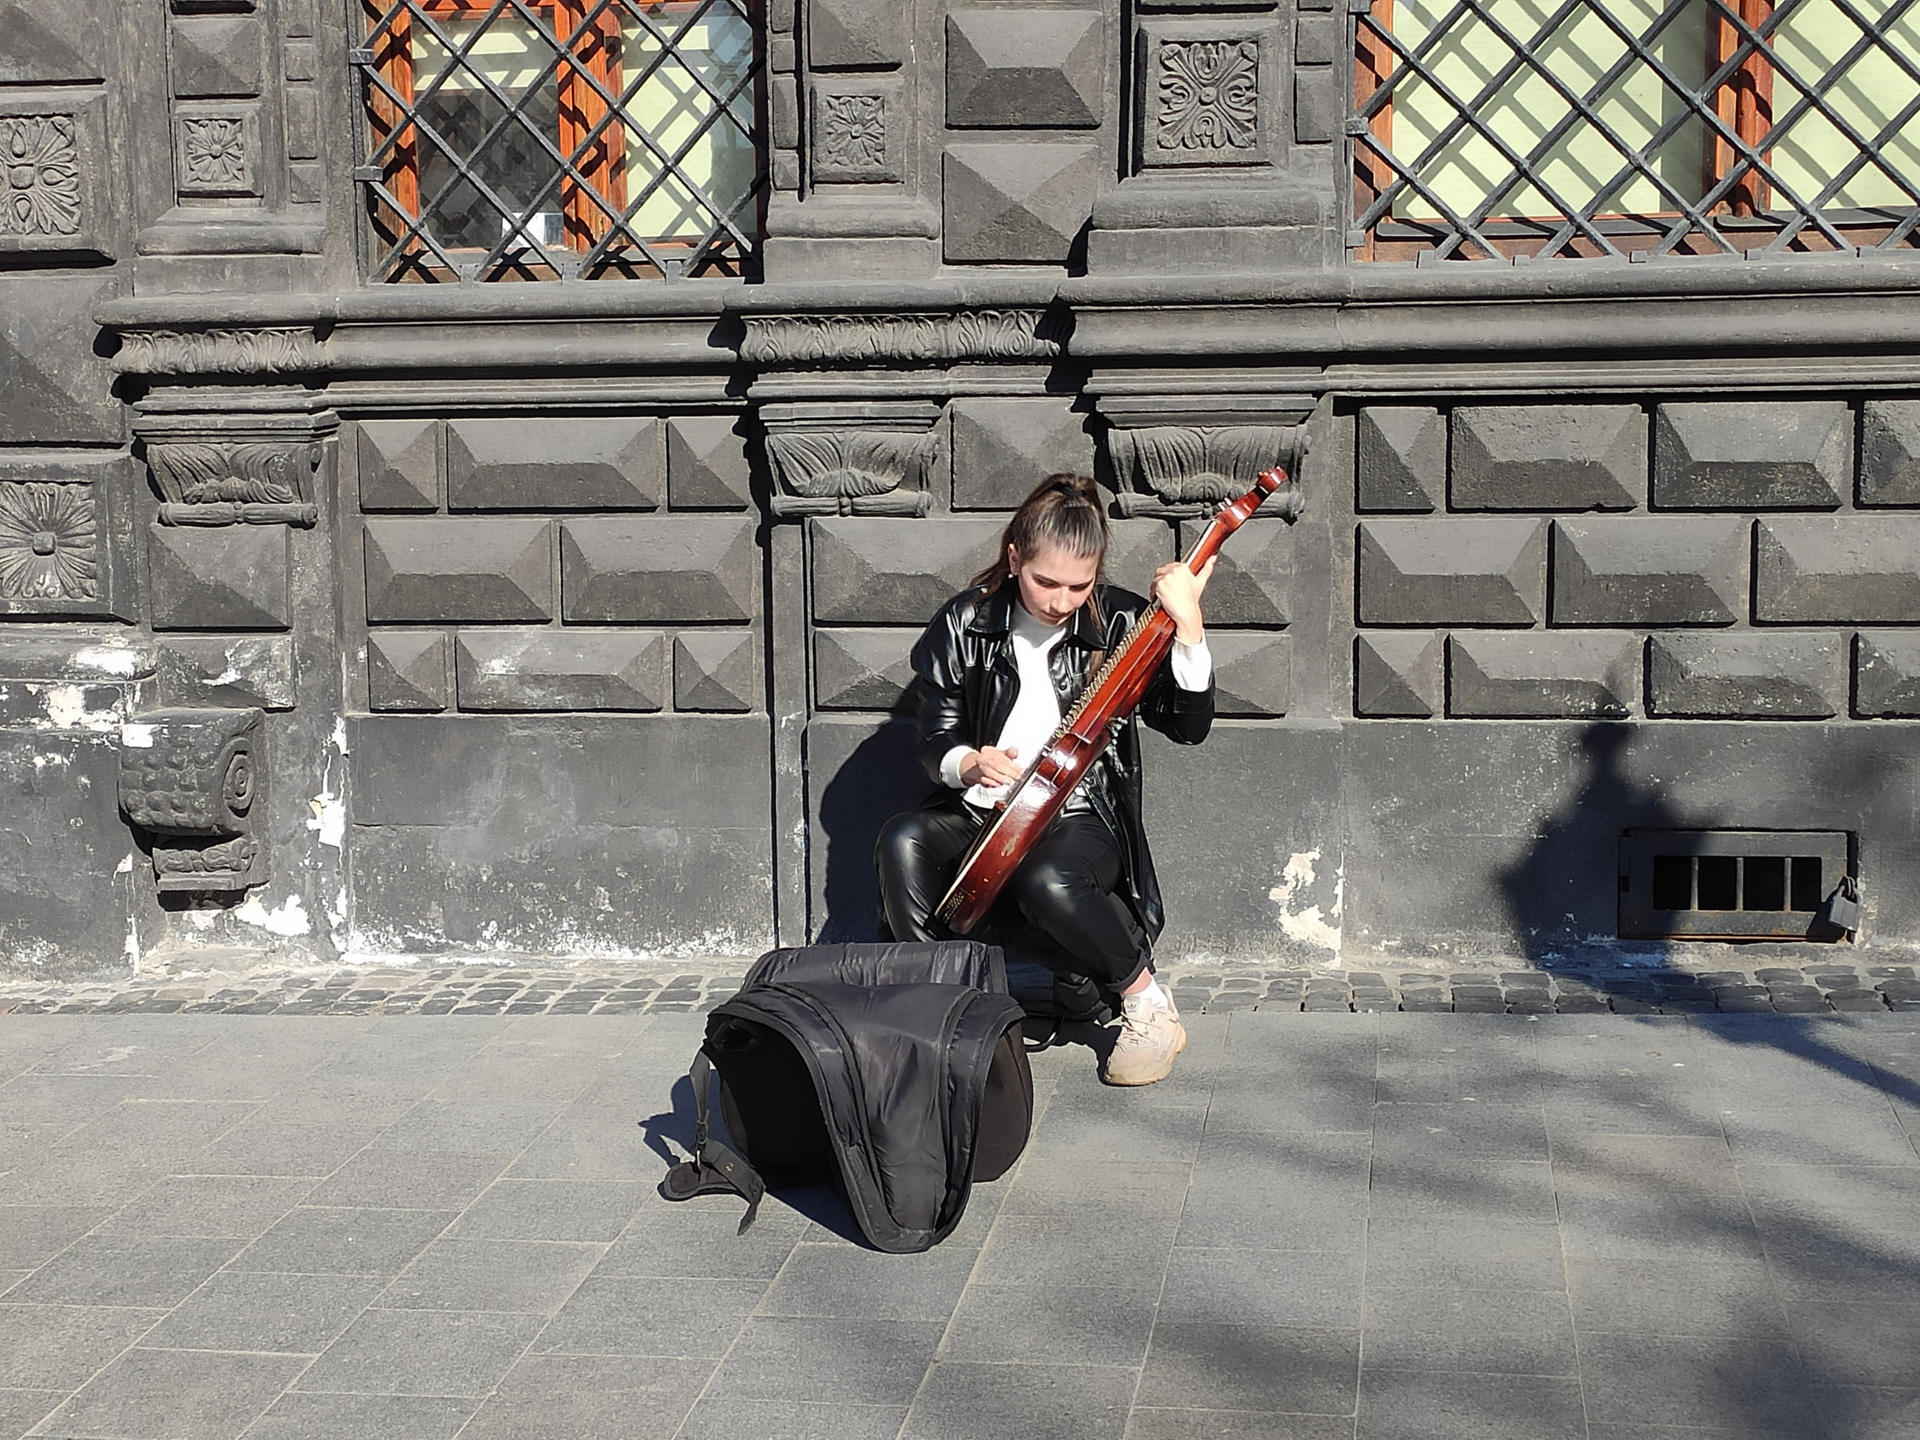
x=1150 y=1036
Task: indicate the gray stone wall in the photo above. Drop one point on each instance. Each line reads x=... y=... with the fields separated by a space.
x=572 y=618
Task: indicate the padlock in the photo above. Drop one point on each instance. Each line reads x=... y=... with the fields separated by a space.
x=1843 y=905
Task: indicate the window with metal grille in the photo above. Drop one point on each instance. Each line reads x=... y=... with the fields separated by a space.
x=530 y=139
x=1503 y=129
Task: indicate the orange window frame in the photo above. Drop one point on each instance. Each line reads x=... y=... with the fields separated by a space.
x=1744 y=102
x=589 y=49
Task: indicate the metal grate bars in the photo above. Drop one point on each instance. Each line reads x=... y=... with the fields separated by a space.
x=536 y=139
x=1532 y=129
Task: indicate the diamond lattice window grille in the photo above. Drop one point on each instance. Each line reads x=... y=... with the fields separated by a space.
x=535 y=139
x=1530 y=129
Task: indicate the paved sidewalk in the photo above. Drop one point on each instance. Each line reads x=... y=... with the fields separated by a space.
x=1348 y=1225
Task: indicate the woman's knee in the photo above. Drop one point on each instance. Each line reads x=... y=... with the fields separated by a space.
x=1048 y=893
x=898 y=842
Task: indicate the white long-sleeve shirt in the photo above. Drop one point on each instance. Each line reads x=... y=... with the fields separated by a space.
x=1036 y=709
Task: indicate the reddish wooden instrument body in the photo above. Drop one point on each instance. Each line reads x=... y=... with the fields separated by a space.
x=1110 y=697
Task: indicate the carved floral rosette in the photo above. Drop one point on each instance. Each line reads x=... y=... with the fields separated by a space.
x=1180 y=471
x=193 y=781
x=852 y=472
x=811 y=341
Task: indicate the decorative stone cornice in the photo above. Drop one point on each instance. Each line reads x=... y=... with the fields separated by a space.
x=818 y=340
x=270 y=351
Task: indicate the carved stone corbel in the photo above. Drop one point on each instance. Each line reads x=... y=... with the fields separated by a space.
x=237 y=470
x=192 y=782
x=1179 y=458
x=822 y=466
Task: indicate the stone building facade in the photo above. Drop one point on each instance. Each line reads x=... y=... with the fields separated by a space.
x=470 y=473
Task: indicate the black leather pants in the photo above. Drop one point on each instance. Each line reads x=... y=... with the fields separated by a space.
x=1066 y=887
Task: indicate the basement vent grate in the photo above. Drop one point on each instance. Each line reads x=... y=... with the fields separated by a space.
x=1730 y=884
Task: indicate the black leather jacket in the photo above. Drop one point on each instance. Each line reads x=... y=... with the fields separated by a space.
x=968 y=683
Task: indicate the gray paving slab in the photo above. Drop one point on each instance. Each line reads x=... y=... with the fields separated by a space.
x=1329 y=1225
x=298 y=1416
x=1021 y=1402
x=21 y=1409
x=175 y=1395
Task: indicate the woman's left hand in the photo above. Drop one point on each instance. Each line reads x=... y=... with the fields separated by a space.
x=1178 y=590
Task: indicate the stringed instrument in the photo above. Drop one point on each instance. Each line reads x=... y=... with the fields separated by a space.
x=1112 y=695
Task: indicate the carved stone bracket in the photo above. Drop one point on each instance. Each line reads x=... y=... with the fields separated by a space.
x=816 y=341
x=1190 y=463
x=192 y=781
x=275 y=351
x=237 y=470
x=824 y=466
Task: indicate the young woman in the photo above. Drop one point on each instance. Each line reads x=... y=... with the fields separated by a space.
x=997 y=668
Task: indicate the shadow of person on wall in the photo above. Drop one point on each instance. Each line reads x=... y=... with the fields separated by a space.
x=878 y=780
x=1566 y=921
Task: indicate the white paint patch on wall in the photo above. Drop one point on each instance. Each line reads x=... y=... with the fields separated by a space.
x=117 y=661
x=66 y=707
x=136 y=737
x=1308 y=924
x=289 y=919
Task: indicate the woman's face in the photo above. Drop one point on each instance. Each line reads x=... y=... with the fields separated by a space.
x=1053 y=584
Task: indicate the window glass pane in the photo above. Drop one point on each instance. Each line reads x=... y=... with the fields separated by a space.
x=1468 y=166
x=511 y=54
x=679 y=113
x=1811 y=39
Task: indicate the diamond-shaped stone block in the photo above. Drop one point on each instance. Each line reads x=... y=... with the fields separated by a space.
x=1549 y=457
x=1003 y=448
x=1890 y=452
x=862 y=669
x=407 y=670
x=856 y=34
x=1657 y=570
x=1887 y=675
x=399 y=463
x=1400 y=458
x=230 y=578
x=716 y=670
x=478 y=571
x=1252 y=574
x=1543 y=676
x=217 y=55
x=1752 y=454
x=707 y=464
x=1747 y=676
x=659 y=569
x=561 y=670
x=53 y=387
x=1855 y=570
x=894 y=572
x=45 y=43
x=1399 y=673
x=556 y=463
x=1452 y=571
x=1011 y=69
x=227 y=671
x=1135 y=549
x=1252 y=673
x=1017 y=202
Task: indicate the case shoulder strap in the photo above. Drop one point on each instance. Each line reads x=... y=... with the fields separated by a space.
x=714 y=1168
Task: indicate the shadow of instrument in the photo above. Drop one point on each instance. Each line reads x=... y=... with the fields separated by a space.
x=1110 y=697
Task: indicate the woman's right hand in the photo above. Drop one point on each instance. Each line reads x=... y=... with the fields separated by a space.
x=991 y=767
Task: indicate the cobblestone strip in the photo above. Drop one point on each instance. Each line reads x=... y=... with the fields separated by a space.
x=521 y=990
